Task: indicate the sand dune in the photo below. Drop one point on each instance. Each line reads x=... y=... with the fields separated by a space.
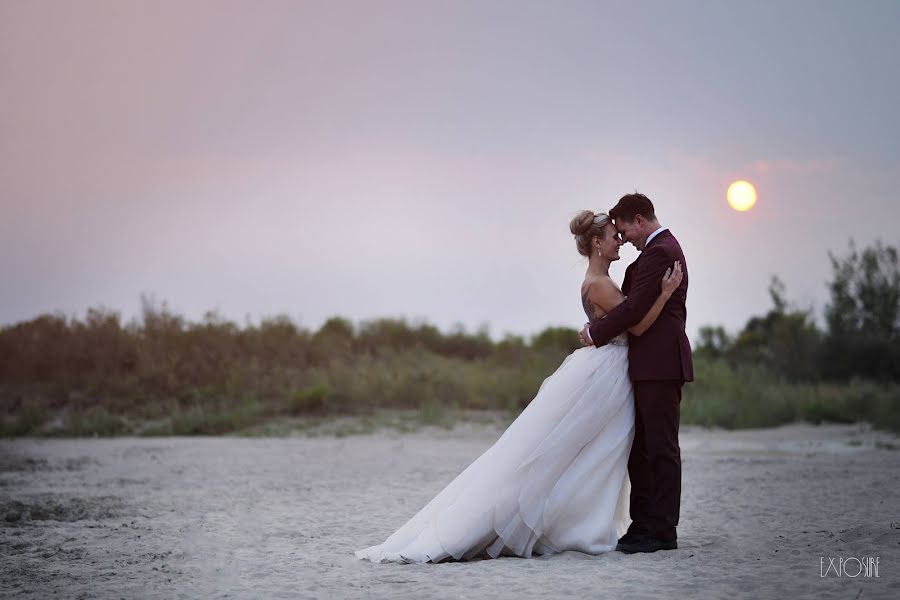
x=280 y=517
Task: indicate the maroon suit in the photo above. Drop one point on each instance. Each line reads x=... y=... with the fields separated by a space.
x=659 y=364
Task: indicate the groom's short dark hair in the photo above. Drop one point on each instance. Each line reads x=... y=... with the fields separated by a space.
x=631 y=205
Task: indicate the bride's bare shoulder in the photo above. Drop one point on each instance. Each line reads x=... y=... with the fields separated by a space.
x=597 y=286
x=598 y=282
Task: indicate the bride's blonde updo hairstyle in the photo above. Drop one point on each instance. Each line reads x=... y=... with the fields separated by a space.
x=586 y=226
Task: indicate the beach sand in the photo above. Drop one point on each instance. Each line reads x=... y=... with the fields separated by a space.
x=234 y=517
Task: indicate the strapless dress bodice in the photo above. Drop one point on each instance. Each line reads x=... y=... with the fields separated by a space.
x=620 y=340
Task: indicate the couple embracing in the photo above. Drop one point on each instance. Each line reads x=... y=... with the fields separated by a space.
x=592 y=463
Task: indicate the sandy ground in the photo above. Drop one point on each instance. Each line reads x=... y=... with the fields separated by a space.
x=238 y=517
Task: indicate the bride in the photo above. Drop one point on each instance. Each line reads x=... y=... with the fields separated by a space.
x=557 y=478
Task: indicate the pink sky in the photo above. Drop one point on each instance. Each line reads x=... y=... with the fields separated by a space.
x=423 y=159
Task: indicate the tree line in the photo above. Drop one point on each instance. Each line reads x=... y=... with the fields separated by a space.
x=861 y=334
x=162 y=374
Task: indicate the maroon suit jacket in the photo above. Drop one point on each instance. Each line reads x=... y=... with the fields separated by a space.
x=663 y=352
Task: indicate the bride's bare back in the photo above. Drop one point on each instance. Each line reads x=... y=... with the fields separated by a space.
x=600 y=295
x=595 y=288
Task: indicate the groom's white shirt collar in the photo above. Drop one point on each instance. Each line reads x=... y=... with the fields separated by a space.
x=653 y=235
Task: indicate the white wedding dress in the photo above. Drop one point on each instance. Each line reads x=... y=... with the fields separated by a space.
x=556 y=480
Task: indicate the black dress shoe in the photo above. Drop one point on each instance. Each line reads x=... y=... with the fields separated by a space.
x=635 y=532
x=647 y=544
x=628 y=540
x=631 y=537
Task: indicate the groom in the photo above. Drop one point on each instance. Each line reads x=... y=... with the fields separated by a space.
x=659 y=365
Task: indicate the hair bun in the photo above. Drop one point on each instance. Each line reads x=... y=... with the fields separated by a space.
x=582 y=222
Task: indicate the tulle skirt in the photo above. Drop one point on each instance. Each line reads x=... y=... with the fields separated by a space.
x=555 y=480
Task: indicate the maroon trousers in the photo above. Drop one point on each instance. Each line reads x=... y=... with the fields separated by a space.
x=654 y=465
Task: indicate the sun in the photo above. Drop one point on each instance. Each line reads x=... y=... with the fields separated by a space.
x=741 y=195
